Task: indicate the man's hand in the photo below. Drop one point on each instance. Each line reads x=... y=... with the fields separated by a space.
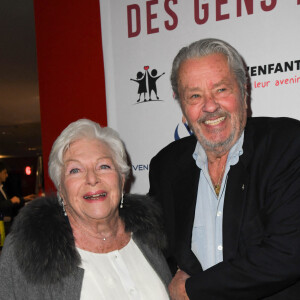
x=30 y=197
x=15 y=199
x=177 y=286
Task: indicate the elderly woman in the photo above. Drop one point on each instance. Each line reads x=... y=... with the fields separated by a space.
x=91 y=242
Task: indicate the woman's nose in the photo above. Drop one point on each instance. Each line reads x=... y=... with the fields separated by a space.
x=92 y=177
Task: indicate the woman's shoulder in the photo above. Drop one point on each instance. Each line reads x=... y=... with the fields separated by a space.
x=40 y=216
x=42 y=241
x=142 y=216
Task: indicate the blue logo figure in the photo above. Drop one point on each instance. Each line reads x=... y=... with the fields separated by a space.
x=188 y=131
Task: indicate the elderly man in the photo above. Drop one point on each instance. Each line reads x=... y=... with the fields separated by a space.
x=230 y=192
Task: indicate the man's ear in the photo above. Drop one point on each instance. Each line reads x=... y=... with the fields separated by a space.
x=246 y=97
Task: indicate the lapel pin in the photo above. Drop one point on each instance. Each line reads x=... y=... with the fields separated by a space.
x=243 y=187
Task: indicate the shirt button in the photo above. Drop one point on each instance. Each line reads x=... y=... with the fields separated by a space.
x=219 y=213
x=220 y=247
x=109 y=280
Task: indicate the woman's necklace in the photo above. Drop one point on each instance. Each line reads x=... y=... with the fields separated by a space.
x=217 y=186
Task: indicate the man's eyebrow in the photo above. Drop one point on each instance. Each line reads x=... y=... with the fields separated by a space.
x=223 y=81
x=192 y=89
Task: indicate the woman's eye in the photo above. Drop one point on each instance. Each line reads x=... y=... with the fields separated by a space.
x=74 y=171
x=103 y=167
x=221 y=90
x=195 y=96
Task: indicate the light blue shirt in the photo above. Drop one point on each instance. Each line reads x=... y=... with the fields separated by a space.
x=207 y=239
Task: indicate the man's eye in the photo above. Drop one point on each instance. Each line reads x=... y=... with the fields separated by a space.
x=74 y=171
x=193 y=99
x=221 y=90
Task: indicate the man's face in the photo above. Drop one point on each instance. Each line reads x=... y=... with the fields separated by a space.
x=211 y=102
x=3 y=175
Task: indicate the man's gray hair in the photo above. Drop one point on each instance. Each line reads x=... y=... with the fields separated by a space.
x=81 y=129
x=206 y=47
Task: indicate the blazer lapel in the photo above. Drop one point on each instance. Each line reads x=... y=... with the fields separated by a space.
x=235 y=198
x=185 y=195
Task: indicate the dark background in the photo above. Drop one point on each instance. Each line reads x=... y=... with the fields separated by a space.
x=20 y=124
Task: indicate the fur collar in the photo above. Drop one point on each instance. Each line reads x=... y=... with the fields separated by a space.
x=43 y=240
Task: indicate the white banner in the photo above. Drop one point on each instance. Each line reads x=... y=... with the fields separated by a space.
x=141 y=38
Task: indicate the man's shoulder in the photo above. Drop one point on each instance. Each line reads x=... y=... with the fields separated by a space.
x=274 y=137
x=277 y=128
x=274 y=121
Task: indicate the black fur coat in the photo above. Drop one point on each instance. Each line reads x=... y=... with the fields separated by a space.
x=43 y=245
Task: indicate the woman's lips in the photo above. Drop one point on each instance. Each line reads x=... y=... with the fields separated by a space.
x=95 y=195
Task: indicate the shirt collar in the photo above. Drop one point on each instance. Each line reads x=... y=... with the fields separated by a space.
x=233 y=157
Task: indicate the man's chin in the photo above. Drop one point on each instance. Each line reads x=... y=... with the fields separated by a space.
x=216 y=145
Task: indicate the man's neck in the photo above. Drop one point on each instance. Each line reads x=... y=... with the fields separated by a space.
x=213 y=157
x=216 y=168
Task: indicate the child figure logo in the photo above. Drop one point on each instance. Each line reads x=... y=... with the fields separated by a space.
x=147 y=83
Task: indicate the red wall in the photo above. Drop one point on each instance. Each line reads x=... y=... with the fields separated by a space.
x=70 y=67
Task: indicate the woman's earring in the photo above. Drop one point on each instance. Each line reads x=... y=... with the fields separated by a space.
x=122 y=201
x=61 y=202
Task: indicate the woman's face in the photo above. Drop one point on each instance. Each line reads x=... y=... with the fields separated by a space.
x=91 y=185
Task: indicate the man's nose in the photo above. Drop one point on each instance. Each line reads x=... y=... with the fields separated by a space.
x=210 y=104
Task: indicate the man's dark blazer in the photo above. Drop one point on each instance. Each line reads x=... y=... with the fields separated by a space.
x=6 y=207
x=261 y=217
